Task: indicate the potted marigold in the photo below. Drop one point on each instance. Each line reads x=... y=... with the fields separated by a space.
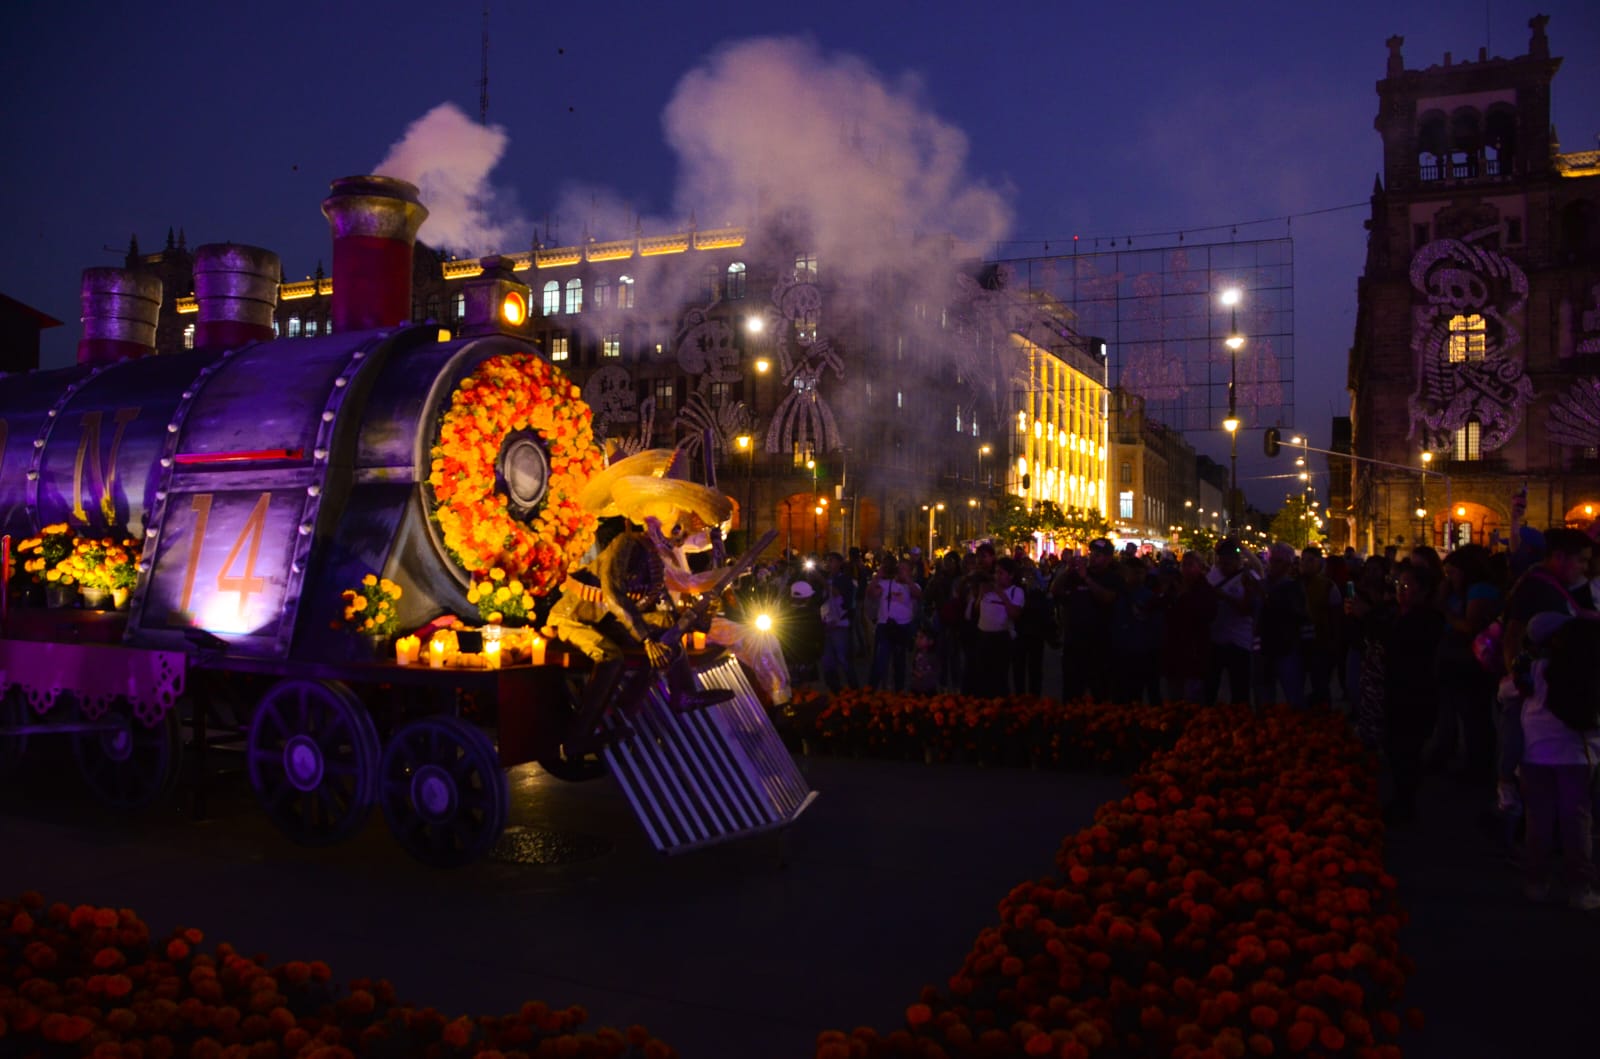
x=373 y=610
x=87 y=567
x=38 y=560
x=501 y=600
x=122 y=570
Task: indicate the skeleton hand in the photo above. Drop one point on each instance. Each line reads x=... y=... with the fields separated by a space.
x=658 y=653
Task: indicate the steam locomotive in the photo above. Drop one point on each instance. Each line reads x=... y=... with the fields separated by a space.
x=265 y=474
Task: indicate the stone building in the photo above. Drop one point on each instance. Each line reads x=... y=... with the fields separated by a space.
x=1477 y=336
x=1155 y=485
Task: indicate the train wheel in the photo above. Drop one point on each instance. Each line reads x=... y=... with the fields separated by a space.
x=129 y=764
x=444 y=794
x=14 y=713
x=313 y=760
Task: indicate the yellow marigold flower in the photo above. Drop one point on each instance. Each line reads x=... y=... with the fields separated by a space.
x=367 y=624
x=515 y=586
x=497 y=574
x=496 y=618
x=359 y=603
x=501 y=594
x=370 y=580
x=390 y=587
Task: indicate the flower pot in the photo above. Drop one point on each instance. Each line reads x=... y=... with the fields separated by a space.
x=119 y=598
x=96 y=598
x=378 y=645
x=58 y=595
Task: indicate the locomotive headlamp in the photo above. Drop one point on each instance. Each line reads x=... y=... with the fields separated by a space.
x=513 y=308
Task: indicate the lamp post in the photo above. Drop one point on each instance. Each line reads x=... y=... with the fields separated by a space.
x=1449 y=507
x=1234 y=342
x=931 y=509
x=746 y=444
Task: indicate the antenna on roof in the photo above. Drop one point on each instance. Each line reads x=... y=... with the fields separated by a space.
x=483 y=82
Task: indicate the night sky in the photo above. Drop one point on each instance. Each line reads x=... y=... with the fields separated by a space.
x=1095 y=119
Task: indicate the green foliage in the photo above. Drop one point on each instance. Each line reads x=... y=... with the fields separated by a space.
x=1295 y=523
x=1013 y=523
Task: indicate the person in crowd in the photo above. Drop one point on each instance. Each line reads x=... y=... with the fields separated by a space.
x=1560 y=717
x=1466 y=689
x=801 y=632
x=976 y=573
x=1233 y=630
x=1186 y=647
x=1411 y=634
x=1325 y=608
x=1283 y=625
x=1543 y=588
x=996 y=604
x=838 y=621
x=897 y=595
x=1084 y=593
x=925 y=662
x=1362 y=611
x=1135 y=664
x=1035 y=627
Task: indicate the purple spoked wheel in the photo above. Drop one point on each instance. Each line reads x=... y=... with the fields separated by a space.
x=129 y=764
x=444 y=794
x=313 y=760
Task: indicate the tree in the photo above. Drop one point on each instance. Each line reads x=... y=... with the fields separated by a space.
x=1011 y=523
x=1296 y=523
x=1198 y=539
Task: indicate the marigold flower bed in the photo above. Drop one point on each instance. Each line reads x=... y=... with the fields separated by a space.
x=1232 y=904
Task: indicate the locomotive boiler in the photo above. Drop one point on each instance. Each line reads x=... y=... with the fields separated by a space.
x=261 y=475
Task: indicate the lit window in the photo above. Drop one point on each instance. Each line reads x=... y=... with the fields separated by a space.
x=1127 y=473
x=721 y=394
x=311 y=326
x=188 y=334
x=274 y=327
x=600 y=297
x=709 y=291
x=552 y=298
x=1467 y=445
x=611 y=345
x=460 y=305
x=1467 y=337
x=558 y=348
x=958 y=420
x=664 y=391
x=899 y=399
x=574 y=295
x=294 y=326
x=805 y=268
x=625 y=292
x=1125 y=504
x=735 y=285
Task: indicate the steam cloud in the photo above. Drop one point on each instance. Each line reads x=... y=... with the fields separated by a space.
x=771 y=124
x=449 y=157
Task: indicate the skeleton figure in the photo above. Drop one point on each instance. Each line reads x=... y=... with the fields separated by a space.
x=1461 y=280
x=639 y=440
x=803 y=417
x=610 y=394
x=698 y=419
x=705 y=347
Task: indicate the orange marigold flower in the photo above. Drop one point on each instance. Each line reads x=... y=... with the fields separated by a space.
x=177 y=949
x=105 y=917
x=458 y=1032
x=917 y=1014
x=108 y=958
x=22 y=923
x=1264 y=1016
x=1300 y=1036
x=1331 y=1038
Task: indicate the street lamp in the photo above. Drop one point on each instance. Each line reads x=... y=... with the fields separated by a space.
x=1234 y=342
x=931 y=509
x=746 y=444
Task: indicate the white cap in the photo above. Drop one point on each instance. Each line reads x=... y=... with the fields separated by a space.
x=801 y=590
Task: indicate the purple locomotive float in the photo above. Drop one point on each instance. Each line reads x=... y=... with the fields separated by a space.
x=262 y=475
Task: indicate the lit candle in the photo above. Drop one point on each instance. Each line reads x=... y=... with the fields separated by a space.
x=436 y=654
x=407 y=649
x=491 y=654
x=536 y=652
x=699 y=640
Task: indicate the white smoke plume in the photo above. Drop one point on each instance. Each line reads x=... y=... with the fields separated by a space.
x=449 y=157
x=773 y=124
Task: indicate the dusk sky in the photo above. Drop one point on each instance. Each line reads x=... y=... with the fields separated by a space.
x=1094 y=119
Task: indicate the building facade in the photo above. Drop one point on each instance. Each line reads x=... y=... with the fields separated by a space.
x=1155 y=482
x=1477 y=336
x=841 y=406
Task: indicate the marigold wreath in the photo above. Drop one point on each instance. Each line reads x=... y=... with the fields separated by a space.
x=514 y=400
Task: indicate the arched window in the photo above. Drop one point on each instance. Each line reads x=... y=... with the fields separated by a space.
x=461 y=305
x=574 y=295
x=1433 y=143
x=294 y=326
x=600 y=297
x=625 y=292
x=1466 y=141
x=1467 y=338
x=552 y=298
x=1467 y=445
x=1499 y=140
x=311 y=326
x=735 y=285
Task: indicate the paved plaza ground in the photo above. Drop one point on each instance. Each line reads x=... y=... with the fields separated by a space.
x=751 y=948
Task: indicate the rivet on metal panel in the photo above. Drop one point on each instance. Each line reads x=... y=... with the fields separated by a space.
x=172 y=428
x=305 y=529
x=52 y=412
x=166 y=461
x=38 y=443
x=320 y=454
x=313 y=490
x=340 y=381
x=327 y=417
x=33 y=476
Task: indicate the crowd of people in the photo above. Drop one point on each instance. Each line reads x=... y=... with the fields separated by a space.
x=1481 y=664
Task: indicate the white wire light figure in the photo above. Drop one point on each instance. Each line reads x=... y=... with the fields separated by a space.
x=803 y=417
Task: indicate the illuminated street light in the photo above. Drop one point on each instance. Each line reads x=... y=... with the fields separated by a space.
x=754 y=324
x=1231 y=424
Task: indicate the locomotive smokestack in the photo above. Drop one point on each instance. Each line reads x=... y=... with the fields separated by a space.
x=120 y=308
x=236 y=288
x=374 y=221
